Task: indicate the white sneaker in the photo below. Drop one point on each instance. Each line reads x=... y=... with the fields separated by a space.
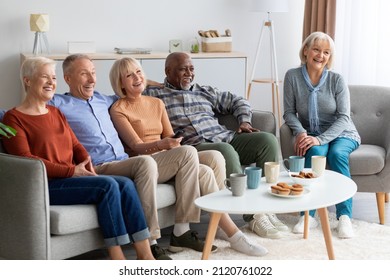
x=345 y=227
x=299 y=227
x=262 y=226
x=243 y=245
x=277 y=223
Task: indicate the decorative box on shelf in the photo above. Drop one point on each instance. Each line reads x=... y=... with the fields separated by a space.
x=217 y=44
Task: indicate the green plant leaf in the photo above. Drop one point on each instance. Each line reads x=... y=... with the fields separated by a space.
x=6 y=130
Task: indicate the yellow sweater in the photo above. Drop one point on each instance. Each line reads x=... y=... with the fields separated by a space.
x=140 y=123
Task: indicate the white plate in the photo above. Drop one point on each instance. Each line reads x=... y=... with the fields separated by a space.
x=305 y=192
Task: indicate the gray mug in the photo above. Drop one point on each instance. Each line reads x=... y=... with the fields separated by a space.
x=236 y=183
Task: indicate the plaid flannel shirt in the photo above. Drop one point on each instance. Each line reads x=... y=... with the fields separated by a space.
x=196 y=110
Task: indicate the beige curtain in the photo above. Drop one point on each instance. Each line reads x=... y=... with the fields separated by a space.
x=320 y=15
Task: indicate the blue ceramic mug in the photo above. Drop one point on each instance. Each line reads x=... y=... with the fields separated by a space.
x=294 y=163
x=253 y=174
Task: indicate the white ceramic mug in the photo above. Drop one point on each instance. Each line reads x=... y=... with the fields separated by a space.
x=271 y=170
x=236 y=183
x=318 y=164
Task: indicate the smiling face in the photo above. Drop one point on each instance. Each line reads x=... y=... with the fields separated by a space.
x=42 y=84
x=81 y=78
x=180 y=71
x=317 y=55
x=133 y=81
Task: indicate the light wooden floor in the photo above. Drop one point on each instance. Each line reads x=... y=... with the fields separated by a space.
x=364 y=208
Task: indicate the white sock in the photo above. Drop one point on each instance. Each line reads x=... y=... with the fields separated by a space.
x=152 y=242
x=235 y=237
x=240 y=243
x=180 y=228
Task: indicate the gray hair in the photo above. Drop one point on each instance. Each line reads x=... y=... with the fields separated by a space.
x=67 y=64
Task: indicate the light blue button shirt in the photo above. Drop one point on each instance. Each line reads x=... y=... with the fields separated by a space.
x=91 y=122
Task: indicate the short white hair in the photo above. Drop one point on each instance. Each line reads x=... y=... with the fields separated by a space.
x=31 y=65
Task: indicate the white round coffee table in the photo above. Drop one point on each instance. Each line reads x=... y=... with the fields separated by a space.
x=330 y=189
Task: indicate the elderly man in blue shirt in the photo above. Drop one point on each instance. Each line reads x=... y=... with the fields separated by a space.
x=193 y=108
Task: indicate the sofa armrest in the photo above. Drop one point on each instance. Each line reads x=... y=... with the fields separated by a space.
x=24 y=209
x=263 y=120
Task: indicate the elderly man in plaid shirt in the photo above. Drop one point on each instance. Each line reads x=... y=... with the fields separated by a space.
x=193 y=108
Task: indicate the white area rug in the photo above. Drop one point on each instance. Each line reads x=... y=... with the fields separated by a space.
x=371 y=241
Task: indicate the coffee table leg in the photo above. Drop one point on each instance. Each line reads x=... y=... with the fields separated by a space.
x=323 y=213
x=306 y=225
x=211 y=231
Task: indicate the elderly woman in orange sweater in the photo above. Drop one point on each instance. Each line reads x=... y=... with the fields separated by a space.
x=43 y=133
x=144 y=127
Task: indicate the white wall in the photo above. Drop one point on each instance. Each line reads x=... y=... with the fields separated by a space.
x=146 y=23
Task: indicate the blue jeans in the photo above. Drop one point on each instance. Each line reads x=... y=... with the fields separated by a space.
x=337 y=156
x=120 y=213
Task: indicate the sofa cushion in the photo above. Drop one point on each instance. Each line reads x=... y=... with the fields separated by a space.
x=367 y=160
x=67 y=219
x=166 y=195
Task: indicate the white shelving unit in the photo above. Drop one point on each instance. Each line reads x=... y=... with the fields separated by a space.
x=226 y=71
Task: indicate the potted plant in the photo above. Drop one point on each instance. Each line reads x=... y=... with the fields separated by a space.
x=6 y=131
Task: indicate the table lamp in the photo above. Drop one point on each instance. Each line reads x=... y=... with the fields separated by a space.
x=268 y=6
x=40 y=24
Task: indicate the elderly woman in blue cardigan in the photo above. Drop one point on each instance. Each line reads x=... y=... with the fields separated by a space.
x=317 y=109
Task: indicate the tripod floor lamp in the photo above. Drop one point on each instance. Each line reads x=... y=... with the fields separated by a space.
x=269 y=6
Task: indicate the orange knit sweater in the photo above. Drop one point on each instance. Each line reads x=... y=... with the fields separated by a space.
x=46 y=137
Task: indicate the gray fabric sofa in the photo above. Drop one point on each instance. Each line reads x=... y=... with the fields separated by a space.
x=370 y=163
x=32 y=229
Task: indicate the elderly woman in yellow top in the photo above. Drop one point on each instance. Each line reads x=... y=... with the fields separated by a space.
x=143 y=125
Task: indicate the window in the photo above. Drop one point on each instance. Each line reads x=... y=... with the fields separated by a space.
x=362 y=41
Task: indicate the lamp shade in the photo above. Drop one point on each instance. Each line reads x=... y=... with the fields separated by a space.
x=39 y=22
x=270 y=6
